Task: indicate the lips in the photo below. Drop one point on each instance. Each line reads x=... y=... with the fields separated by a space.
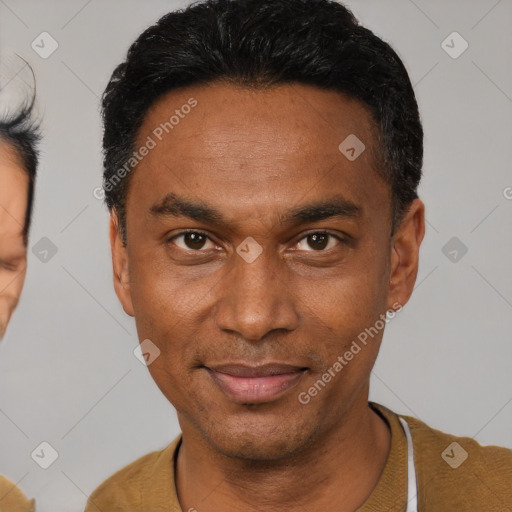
x=255 y=384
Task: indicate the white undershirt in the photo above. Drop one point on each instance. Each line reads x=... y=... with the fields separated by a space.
x=412 y=486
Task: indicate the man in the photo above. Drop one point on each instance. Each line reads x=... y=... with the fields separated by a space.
x=18 y=163
x=262 y=159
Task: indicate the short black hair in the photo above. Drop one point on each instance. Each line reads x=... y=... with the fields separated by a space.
x=20 y=132
x=260 y=43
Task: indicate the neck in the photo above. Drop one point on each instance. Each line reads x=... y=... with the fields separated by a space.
x=342 y=467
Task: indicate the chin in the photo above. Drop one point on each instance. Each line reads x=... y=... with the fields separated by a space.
x=257 y=441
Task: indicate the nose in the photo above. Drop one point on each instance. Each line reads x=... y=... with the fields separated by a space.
x=257 y=299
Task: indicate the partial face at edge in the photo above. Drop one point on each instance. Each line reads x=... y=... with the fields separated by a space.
x=13 y=252
x=260 y=164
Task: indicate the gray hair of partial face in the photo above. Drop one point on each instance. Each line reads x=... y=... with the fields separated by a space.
x=19 y=128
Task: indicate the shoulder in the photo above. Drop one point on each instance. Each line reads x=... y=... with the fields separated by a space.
x=11 y=498
x=126 y=489
x=458 y=472
x=436 y=446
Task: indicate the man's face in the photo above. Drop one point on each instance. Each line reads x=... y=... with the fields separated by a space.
x=226 y=310
x=13 y=252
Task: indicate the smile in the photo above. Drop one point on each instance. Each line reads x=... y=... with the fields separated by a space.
x=254 y=385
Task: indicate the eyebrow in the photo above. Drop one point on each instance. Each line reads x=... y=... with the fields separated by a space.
x=174 y=206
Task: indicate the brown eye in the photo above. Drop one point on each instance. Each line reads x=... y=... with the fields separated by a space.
x=317 y=242
x=192 y=241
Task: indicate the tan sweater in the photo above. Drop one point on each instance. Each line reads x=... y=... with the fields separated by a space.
x=12 y=499
x=447 y=481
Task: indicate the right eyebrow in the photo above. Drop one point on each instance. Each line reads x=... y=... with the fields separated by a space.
x=174 y=206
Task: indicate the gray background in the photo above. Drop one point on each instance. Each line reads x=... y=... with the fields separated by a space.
x=67 y=369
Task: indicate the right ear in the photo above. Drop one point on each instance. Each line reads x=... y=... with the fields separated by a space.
x=120 y=265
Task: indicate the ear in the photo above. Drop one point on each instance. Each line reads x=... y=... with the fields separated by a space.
x=120 y=265
x=405 y=247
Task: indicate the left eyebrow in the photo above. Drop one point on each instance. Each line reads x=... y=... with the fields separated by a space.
x=315 y=212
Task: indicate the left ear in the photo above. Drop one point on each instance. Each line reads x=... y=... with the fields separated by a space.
x=405 y=247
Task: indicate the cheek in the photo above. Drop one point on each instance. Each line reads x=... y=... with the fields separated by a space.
x=166 y=291
x=348 y=298
x=171 y=311
x=11 y=283
x=343 y=310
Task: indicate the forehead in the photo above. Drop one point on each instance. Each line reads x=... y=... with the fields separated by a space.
x=281 y=142
x=13 y=196
x=302 y=119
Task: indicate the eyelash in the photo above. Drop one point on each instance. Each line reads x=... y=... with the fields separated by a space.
x=199 y=232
